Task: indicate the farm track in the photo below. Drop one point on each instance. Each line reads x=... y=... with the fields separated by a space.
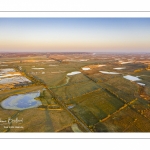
x=129 y=105
x=49 y=124
x=126 y=104
x=73 y=116
x=67 y=81
x=60 y=102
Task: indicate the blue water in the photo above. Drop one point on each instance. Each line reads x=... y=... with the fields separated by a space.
x=21 y=101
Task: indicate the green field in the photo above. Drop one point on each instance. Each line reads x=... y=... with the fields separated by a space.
x=89 y=101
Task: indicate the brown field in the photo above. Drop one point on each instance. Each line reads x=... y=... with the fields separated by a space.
x=90 y=101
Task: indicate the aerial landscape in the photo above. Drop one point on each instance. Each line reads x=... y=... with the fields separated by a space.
x=74 y=75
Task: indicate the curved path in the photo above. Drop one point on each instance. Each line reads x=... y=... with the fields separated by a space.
x=67 y=80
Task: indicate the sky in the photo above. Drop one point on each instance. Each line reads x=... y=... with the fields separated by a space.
x=74 y=34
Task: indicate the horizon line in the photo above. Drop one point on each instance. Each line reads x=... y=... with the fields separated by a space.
x=69 y=52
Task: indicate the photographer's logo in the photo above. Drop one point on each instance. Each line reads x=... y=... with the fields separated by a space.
x=11 y=123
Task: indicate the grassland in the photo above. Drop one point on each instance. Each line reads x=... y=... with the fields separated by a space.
x=89 y=101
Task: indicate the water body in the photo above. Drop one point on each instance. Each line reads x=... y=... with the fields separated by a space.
x=106 y=72
x=119 y=68
x=101 y=65
x=21 y=101
x=128 y=62
x=53 y=65
x=38 y=68
x=7 y=70
x=131 y=78
x=86 y=68
x=142 y=84
x=15 y=80
x=73 y=73
x=71 y=106
x=84 y=59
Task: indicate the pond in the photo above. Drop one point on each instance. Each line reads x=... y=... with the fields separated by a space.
x=106 y=72
x=101 y=65
x=38 y=68
x=86 y=68
x=84 y=59
x=142 y=84
x=73 y=73
x=131 y=78
x=71 y=106
x=14 y=80
x=21 y=101
x=119 y=68
x=127 y=62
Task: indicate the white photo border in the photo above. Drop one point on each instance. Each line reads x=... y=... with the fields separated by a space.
x=73 y=14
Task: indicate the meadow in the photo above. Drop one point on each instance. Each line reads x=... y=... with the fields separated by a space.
x=90 y=101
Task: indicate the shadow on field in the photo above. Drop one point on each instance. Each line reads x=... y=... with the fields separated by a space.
x=49 y=124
